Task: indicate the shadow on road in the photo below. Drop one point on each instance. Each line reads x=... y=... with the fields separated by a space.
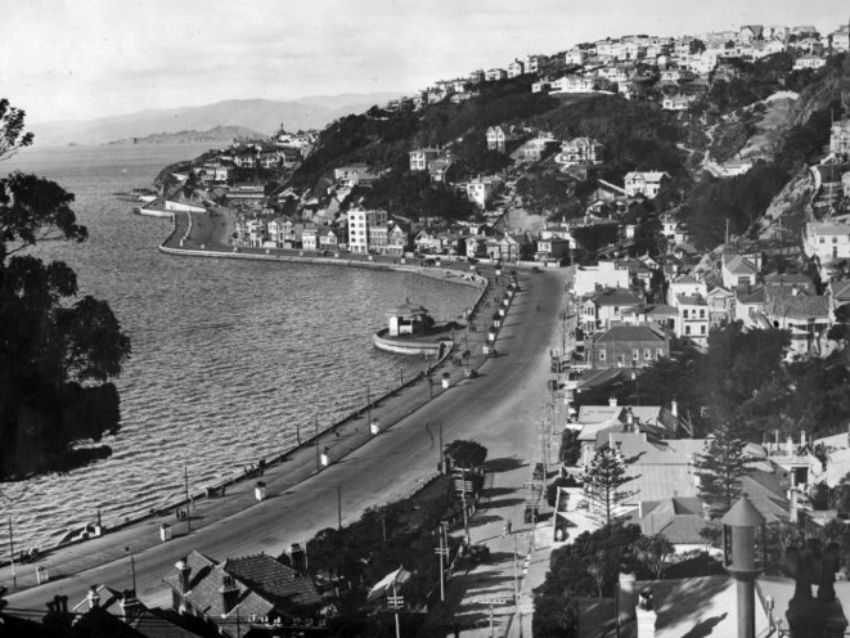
x=505 y=464
x=504 y=502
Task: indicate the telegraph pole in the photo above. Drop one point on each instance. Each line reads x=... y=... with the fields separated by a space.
x=339 y=506
x=441 y=552
x=441 y=461
x=463 y=498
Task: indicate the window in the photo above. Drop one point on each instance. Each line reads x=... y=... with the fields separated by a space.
x=647 y=354
x=687 y=330
x=685 y=313
x=822 y=240
x=635 y=355
x=621 y=360
x=659 y=353
x=702 y=314
x=702 y=330
x=602 y=354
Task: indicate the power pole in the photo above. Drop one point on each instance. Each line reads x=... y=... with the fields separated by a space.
x=188 y=511
x=463 y=498
x=441 y=462
x=516 y=572
x=441 y=552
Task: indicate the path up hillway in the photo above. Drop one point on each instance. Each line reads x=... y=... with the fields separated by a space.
x=382 y=469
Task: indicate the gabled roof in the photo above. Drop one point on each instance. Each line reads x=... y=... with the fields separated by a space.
x=750 y=296
x=272 y=579
x=840 y=289
x=691 y=300
x=799 y=307
x=679 y=519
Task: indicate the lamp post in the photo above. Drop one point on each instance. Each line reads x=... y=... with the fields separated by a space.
x=739 y=534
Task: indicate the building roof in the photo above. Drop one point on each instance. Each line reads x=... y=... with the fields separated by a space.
x=271 y=578
x=750 y=296
x=828 y=229
x=691 y=300
x=678 y=519
x=738 y=265
x=616 y=297
x=790 y=279
x=630 y=333
x=801 y=307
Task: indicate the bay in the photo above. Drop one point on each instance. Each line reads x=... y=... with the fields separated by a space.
x=229 y=357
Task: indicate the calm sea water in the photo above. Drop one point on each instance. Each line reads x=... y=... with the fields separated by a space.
x=228 y=356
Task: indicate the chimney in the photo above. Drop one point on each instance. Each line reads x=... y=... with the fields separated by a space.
x=183 y=571
x=131 y=608
x=793 y=512
x=229 y=593
x=298 y=558
x=803 y=441
x=93 y=597
x=645 y=615
x=612 y=401
x=674 y=408
x=776 y=439
x=626 y=598
x=789 y=446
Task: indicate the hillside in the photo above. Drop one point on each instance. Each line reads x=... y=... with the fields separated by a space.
x=264 y=116
x=219 y=134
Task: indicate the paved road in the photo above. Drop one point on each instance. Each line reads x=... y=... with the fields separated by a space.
x=497 y=409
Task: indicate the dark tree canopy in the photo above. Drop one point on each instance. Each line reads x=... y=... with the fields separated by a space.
x=58 y=352
x=467 y=454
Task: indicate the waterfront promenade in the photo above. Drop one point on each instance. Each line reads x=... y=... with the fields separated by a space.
x=496 y=408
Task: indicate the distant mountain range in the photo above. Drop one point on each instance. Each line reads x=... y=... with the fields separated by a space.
x=263 y=116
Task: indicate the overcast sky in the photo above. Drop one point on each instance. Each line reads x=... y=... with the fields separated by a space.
x=81 y=59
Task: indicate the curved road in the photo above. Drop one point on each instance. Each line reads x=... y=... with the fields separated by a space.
x=499 y=409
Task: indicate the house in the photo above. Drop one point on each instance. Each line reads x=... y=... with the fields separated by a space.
x=310 y=238
x=579 y=151
x=328 y=239
x=510 y=247
x=516 y=69
x=749 y=306
x=494 y=75
x=720 y=306
x=397 y=239
x=427 y=241
x=646 y=183
x=360 y=222
x=693 y=320
x=628 y=347
x=533 y=62
x=555 y=249
x=679 y=519
x=661 y=315
x=809 y=62
x=499 y=138
x=605 y=308
x=826 y=241
x=420 y=158
x=575 y=57
x=839 y=138
x=677 y=102
x=353 y=175
x=481 y=190
x=738 y=270
x=806 y=317
x=257 y=588
x=438 y=169
x=685 y=285
x=476 y=77
x=574 y=84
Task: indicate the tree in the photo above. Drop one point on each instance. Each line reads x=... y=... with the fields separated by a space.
x=58 y=354
x=653 y=553
x=466 y=454
x=720 y=470
x=603 y=480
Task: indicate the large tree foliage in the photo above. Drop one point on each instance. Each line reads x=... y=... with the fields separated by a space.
x=603 y=479
x=58 y=352
x=721 y=468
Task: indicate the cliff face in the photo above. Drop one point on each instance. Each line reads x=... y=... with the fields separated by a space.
x=790 y=209
x=831 y=88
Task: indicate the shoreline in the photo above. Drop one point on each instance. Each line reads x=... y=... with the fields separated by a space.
x=214 y=489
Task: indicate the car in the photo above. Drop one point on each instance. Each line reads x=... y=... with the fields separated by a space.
x=536 y=269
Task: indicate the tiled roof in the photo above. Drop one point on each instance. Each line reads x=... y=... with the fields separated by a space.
x=750 y=296
x=271 y=578
x=840 y=289
x=678 y=519
x=691 y=300
x=598 y=413
x=629 y=333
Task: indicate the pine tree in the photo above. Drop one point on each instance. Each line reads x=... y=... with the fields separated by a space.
x=720 y=470
x=603 y=480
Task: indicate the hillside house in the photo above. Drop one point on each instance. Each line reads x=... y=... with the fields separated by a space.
x=534 y=149
x=806 y=317
x=420 y=158
x=628 y=347
x=495 y=75
x=579 y=151
x=574 y=84
x=328 y=239
x=500 y=138
x=720 y=306
x=645 y=183
x=353 y=175
x=510 y=247
x=534 y=62
x=826 y=241
x=738 y=270
x=575 y=57
x=310 y=237
x=516 y=69
x=554 y=249
x=809 y=62
x=693 y=320
x=397 y=239
x=481 y=190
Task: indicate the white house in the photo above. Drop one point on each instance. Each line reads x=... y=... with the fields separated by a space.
x=737 y=271
x=826 y=241
x=646 y=183
x=359 y=223
x=579 y=151
x=482 y=189
x=606 y=274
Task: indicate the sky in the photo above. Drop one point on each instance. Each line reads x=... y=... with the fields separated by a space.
x=84 y=59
